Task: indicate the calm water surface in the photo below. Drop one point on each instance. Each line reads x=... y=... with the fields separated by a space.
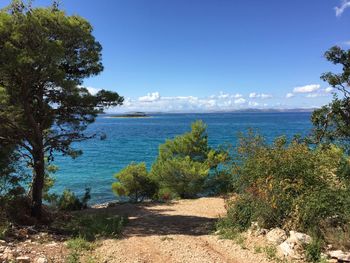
x=137 y=139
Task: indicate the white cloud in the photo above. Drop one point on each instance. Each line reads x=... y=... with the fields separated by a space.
x=346 y=43
x=154 y=102
x=253 y=103
x=289 y=95
x=307 y=88
x=223 y=95
x=239 y=101
x=265 y=96
x=339 y=10
x=329 y=90
x=320 y=93
x=91 y=90
x=150 y=97
x=255 y=95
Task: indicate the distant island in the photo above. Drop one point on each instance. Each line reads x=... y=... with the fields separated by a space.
x=130 y=115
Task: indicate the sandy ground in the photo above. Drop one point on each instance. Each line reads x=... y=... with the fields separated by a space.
x=176 y=232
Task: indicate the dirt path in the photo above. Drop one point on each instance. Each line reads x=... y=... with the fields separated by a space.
x=177 y=232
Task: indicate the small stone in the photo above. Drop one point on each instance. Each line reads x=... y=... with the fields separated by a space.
x=2 y=242
x=41 y=260
x=52 y=244
x=23 y=259
x=276 y=236
x=336 y=254
x=299 y=238
x=290 y=250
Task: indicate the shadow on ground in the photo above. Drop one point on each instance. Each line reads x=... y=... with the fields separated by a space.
x=158 y=219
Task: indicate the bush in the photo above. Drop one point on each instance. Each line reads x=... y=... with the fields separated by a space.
x=289 y=185
x=4 y=227
x=76 y=247
x=78 y=244
x=185 y=162
x=135 y=182
x=241 y=213
x=90 y=227
x=68 y=201
x=181 y=176
x=313 y=251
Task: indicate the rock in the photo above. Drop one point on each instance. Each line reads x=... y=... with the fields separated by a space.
x=256 y=230
x=339 y=255
x=299 y=238
x=52 y=244
x=336 y=253
x=276 y=236
x=285 y=249
x=291 y=250
x=293 y=246
x=41 y=260
x=2 y=242
x=23 y=259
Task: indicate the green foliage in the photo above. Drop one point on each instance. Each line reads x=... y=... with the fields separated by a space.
x=79 y=244
x=10 y=174
x=181 y=176
x=90 y=227
x=184 y=163
x=271 y=252
x=135 y=182
x=313 y=251
x=330 y=207
x=289 y=185
x=44 y=56
x=241 y=213
x=4 y=227
x=68 y=201
x=332 y=122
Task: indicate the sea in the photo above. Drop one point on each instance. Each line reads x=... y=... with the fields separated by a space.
x=120 y=141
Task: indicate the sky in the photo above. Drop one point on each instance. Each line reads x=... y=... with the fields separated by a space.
x=214 y=55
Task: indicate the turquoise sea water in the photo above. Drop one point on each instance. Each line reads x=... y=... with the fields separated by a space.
x=137 y=139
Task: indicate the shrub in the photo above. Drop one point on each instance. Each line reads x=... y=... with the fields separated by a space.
x=78 y=244
x=184 y=163
x=90 y=227
x=289 y=185
x=76 y=247
x=181 y=176
x=241 y=212
x=68 y=201
x=313 y=251
x=4 y=227
x=135 y=182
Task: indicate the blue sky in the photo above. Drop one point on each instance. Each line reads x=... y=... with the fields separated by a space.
x=208 y=55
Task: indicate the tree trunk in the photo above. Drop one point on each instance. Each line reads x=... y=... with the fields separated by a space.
x=38 y=182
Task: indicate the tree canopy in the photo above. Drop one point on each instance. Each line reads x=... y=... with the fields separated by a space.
x=332 y=122
x=184 y=163
x=45 y=55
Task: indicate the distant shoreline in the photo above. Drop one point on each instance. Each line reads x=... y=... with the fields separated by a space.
x=130 y=115
x=127 y=117
x=147 y=114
